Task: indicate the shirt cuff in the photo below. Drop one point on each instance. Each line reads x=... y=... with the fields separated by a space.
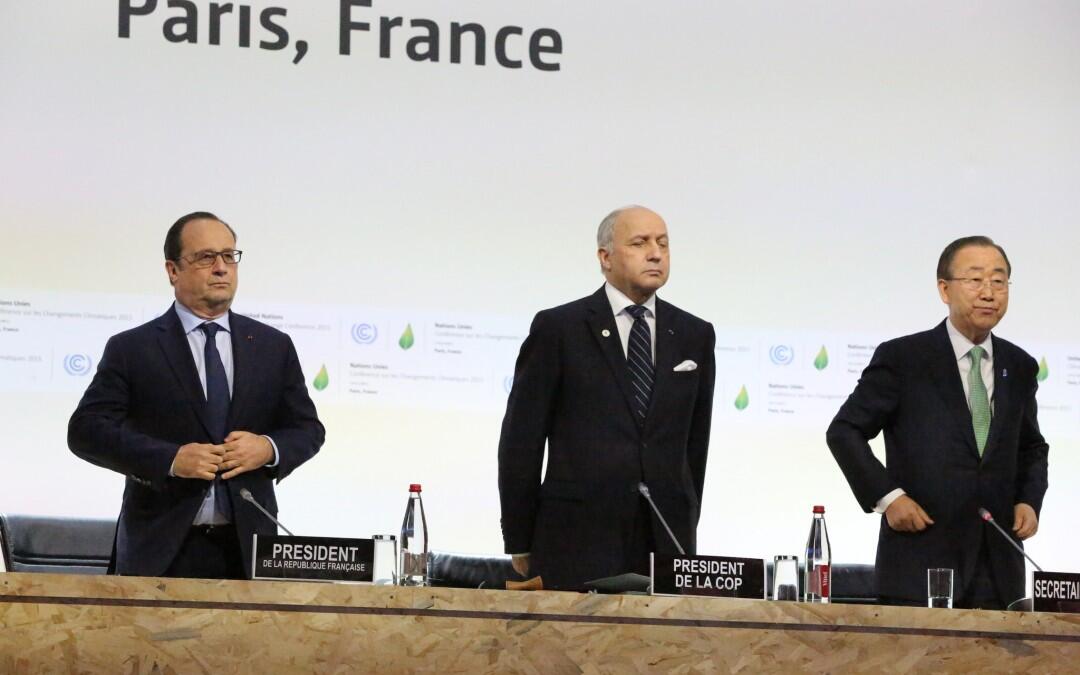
x=274 y=446
x=885 y=502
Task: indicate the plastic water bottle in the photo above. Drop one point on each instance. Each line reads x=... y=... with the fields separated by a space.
x=817 y=586
x=414 y=541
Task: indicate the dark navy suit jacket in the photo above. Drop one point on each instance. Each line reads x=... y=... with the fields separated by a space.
x=912 y=391
x=145 y=401
x=572 y=390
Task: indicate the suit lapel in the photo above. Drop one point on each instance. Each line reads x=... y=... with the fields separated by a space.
x=601 y=321
x=243 y=345
x=1002 y=395
x=946 y=374
x=177 y=352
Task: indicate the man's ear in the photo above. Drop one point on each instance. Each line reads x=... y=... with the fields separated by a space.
x=603 y=256
x=171 y=270
x=941 y=285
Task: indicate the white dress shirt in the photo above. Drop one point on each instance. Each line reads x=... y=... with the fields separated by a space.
x=961 y=346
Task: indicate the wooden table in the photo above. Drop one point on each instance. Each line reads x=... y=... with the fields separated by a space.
x=132 y=625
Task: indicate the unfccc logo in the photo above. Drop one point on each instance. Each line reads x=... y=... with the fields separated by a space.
x=364 y=333
x=77 y=364
x=781 y=355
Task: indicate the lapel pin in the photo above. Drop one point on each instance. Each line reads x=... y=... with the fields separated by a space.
x=605 y=333
x=670 y=332
x=1004 y=373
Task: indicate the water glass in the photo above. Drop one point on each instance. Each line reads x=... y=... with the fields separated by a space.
x=785 y=580
x=384 y=565
x=939 y=587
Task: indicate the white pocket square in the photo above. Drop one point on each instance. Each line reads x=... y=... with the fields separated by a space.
x=686 y=366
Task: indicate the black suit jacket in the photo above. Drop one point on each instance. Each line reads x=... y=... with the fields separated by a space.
x=912 y=390
x=145 y=401
x=572 y=390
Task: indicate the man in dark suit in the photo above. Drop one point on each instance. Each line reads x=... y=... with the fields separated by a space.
x=193 y=407
x=957 y=406
x=619 y=385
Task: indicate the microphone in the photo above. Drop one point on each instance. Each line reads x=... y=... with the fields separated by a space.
x=644 y=490
x=985 y=515
x=246 y=494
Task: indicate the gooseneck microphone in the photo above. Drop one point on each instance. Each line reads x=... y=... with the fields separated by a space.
x=985 y=515
x=644 y=490
x=246 y=494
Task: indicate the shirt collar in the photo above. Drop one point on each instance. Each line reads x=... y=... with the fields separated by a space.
x=619 y=301
x=190 y=321
x=961 y=345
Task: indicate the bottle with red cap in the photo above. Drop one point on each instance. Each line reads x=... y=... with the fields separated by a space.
x=414 y=542
x=817 y=586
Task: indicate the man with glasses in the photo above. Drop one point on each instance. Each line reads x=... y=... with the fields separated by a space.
x=957 y=405
x=193 y=407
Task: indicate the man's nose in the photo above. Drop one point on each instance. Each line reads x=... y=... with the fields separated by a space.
x=220 y=268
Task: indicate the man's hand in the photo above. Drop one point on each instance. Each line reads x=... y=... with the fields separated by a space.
x=1025 y=522
x=245 y=451
x=198 y=460
x=521 y=564
x=905 y=515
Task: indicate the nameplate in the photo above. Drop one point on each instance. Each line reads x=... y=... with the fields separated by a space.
x=708 y=575
x=312 y=558
x=1056 y=592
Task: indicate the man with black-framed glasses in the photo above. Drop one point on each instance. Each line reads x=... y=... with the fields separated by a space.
x=193 y=407
x=957 y=406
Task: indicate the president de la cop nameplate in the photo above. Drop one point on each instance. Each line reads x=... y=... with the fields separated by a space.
x=312 y=558
x=1056 y=592
x=716 y=576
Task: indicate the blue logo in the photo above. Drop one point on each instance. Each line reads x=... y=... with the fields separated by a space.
x=77 y=365
x=781 y=355
x=508 y=383
x=364 y=333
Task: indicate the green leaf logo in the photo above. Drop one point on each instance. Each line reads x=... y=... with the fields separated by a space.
x=742 y=400
x=322 y=380
x=407 y=339
x=1044 y=370
x=821 y=362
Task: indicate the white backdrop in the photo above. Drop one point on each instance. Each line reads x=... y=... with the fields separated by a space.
x=811 y=159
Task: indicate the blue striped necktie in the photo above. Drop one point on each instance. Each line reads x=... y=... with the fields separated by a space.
x=639 y=360
x=217 y=408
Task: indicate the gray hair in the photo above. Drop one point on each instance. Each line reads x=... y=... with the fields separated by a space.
x=605 y=234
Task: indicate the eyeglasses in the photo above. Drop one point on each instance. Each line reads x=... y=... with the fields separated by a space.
x=206 y=259
x=977 y=283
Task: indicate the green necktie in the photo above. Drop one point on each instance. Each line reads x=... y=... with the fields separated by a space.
x=978 y=401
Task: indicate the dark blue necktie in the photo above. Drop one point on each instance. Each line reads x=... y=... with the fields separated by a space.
x=639 y=360
x=217 y=408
